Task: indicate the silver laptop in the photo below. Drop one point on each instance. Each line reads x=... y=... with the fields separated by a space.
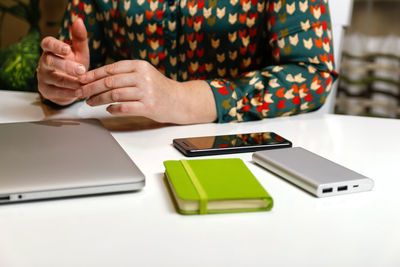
x=62 y=158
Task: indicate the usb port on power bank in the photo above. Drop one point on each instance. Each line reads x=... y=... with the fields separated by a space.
x=342 y=188
x=327 y=190
x=4 y=198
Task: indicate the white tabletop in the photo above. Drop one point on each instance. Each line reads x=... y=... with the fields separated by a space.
x=143 y=229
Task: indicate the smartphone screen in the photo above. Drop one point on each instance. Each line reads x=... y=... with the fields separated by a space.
x=224 y=144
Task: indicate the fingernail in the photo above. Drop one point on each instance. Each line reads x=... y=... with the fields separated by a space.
x=80 y=69
x=65 y=49
x=78 y=93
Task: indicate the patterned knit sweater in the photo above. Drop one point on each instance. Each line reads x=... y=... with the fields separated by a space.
x=261 y=59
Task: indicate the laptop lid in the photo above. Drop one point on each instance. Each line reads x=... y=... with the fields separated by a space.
x=61 y=158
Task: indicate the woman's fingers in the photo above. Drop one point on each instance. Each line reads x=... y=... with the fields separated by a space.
x=116 y=95
x=56 y=94
x=124 y=66
x=54 y=84
x=58 y=71
x=135 y=108
x=60 y=80
x=51 y=62
x=55 y=46
x=108 y=83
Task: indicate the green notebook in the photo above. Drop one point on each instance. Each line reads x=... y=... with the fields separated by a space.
x=215 y=186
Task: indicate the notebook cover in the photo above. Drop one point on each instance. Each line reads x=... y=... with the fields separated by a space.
x=219 y=179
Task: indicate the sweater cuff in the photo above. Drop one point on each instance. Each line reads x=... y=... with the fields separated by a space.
x=225 y=99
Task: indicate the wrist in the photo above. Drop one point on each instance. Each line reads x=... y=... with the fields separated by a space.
x=197 y=102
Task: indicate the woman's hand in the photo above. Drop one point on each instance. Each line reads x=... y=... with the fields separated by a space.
x=141 y=90
x=60 y=65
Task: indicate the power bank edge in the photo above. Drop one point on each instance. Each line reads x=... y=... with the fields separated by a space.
x=319 y=190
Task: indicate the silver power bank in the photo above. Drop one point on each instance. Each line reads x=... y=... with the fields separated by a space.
x=311 y=172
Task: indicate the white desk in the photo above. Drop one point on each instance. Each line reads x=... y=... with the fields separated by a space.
x=143 y=229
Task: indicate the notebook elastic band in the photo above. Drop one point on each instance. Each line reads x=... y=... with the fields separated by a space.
x=197 y=186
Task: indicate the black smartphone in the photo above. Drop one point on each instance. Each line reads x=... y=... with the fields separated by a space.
x=227 y=144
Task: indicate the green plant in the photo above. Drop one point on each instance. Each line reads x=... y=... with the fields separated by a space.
x=18 y=61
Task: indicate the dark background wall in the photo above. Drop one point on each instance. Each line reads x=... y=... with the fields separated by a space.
x=14 y=28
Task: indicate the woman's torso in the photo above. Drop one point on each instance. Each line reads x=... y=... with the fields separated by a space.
x=183 y=39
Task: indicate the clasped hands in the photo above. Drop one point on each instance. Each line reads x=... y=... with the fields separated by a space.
x=130 y=87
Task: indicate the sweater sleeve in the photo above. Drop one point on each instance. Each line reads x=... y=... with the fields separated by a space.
x=86 y=10
x=302 y=73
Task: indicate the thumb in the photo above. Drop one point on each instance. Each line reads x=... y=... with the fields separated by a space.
x=80 y=44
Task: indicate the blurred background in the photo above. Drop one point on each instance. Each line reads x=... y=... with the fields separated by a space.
x=23 y=23
x=370 y=64
x=369 y=84
x=14 y=28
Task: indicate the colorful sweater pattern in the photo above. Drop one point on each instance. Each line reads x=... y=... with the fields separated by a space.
x=261 y=58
